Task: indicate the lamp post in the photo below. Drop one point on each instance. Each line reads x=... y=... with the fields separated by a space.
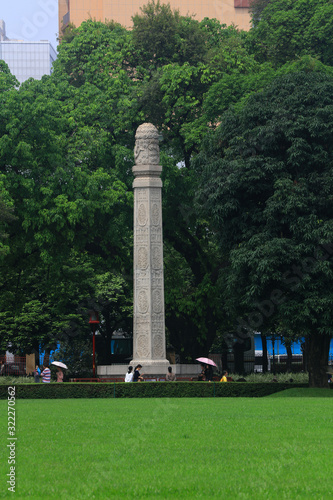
x=93 y=321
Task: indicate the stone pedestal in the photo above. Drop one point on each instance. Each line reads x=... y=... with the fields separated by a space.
x=118 y=371
x=149 y=348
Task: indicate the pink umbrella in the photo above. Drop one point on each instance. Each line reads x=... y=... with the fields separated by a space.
x=207 y=361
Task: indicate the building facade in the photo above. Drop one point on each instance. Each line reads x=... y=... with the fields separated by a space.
x=26 y=59
x=3 y=37
x=226 y=11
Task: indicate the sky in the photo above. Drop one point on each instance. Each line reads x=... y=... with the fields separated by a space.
x=31 y=20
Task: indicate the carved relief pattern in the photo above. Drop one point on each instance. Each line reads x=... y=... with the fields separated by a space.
x=141 y=234
x=141 y=152
x=155 y=214
x=157 y=282
x=157 y=325
x=141 y=281
x=155 y=195
x=141 y=194
x=142 y=214
x=157 y=301
x=158 y=349
x=142 y=261
x=146 y=151
x=156 y=257
x=142 y=346
x=156 y=234
x=143 y=303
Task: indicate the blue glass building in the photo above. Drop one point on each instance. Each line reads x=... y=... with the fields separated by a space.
x=26 y=59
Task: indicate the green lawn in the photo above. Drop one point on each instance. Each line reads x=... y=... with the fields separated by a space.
x=226 y=448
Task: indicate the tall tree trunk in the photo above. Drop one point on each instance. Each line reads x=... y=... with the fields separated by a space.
x=224 y=356
x=289 y=356
x=318 y=351
x=305 y=348
x=264 y=354
x=239 y=358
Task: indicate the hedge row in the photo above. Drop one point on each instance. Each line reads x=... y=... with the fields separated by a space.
x=145 y=390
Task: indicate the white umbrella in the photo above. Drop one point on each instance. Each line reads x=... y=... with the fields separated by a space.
x=59 y=363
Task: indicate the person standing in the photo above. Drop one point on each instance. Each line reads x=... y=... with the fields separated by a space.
x=46 y=374
x=202 y=375
x=60 y=375
x=137 y=377
x=129 y=374
x=37 y=374
x=170 y=377
x=209 y=373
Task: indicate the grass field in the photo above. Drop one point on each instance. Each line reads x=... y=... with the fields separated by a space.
x=277 y=447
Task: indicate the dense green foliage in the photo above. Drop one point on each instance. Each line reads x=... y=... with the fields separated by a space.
x=66 y=152
x=267 y=187
x=167 y=90
x=70 y=208
x=7 y=80
x=287 y=29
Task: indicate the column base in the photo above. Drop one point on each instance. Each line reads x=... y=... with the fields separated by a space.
x=158 y=367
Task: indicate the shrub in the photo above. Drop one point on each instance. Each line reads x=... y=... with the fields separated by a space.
x=145 y=390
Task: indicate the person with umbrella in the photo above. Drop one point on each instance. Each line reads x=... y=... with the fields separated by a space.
x=209 y=373
x=60 y=373
x=206 y=369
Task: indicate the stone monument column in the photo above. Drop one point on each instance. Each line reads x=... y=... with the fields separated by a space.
x=148 y=312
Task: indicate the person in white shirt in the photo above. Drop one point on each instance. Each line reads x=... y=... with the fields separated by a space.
x=129 y=374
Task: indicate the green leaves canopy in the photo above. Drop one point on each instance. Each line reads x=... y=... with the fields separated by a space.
x=267 y=185
x=288 y=29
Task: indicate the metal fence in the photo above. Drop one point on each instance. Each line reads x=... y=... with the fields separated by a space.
x=13 y=365
x=278 y=363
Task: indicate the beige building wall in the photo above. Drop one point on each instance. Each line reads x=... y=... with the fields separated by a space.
x=123 y=10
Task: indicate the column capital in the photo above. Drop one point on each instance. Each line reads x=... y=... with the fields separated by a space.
x=147 y=150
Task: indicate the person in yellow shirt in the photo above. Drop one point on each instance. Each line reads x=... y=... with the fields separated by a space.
x=224 y=376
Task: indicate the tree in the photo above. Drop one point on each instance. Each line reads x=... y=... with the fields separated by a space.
x=166 y=82
x=77 y=356
x=162 y=36
x=267 y=185
x=6 y=216
x=256 y=8
x=66 y=152
x=175 y=83
x=179 y=97
x=58 y=163
x=288 y=29
x=7 y=80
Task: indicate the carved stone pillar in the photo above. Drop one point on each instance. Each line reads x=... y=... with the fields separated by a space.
x=148 y=315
